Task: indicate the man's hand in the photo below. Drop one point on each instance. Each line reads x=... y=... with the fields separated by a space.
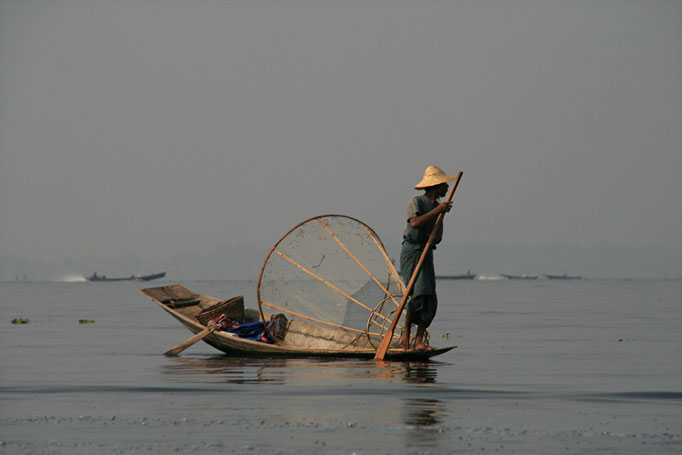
x=444 y=207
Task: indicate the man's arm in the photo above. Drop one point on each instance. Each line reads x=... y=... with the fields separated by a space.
x=418 y=221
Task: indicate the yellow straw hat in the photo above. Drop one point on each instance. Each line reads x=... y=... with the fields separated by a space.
x=433 y=175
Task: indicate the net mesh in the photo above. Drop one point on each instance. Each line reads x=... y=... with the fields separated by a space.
x=332 y=270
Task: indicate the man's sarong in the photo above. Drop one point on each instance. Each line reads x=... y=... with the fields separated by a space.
x=423 y=302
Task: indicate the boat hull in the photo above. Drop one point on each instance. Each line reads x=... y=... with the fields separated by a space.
x=100 y=278
x=155 y=276
x=456 y=277
x=563 y=277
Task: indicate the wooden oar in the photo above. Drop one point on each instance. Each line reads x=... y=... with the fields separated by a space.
x=190 y=341
x=383 y=347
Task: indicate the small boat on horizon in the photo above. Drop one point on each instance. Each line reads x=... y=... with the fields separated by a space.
x=466 y=276
x=563 y=277
x=153 y=276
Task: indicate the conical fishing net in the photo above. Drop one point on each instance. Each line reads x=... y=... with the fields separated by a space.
x=332 y=271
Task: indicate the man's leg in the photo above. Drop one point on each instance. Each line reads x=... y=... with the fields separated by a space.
x=419 y=338
x=419 y=343
x=405 y=337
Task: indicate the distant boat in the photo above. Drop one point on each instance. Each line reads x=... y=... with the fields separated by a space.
x=154 y=276
x=563 y=277
x=96 y=277
x=467 y=276
x=520 y=277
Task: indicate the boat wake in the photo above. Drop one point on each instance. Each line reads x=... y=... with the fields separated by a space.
x=72 y=278
x=491 y=277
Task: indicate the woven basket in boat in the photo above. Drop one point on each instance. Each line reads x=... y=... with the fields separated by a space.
x=277 y=327
x=232 y=308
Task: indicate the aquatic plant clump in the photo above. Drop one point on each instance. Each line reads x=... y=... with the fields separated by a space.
x=20 y=321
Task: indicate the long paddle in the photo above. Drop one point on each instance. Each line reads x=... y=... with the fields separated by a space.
x=383 y=347
x=190 y=341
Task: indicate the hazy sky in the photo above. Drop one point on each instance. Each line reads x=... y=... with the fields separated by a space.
x=162 y=126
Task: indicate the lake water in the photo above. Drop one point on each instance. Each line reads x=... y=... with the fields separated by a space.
x=561 y=367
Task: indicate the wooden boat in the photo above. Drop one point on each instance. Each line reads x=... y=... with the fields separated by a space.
x=520 y=277
x=154 y=276
x=96 y=277
x=302 y=339
x=466 y=276
x=563 y=277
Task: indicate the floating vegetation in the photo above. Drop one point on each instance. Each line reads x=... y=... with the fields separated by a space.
x=20 y=321
x=86 y=321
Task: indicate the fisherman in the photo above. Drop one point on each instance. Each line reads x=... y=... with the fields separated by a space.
x=422 y=212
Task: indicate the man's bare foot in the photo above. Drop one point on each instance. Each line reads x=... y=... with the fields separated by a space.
x=422 y=347
x=405 y=341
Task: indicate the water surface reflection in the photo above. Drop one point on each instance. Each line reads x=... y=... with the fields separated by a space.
x=331 y=393
x=301 y=372
x=422 y=412
x=423 y=417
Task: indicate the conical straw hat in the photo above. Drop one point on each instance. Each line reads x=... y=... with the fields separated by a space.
x=433 y=175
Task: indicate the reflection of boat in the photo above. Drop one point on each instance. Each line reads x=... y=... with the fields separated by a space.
x=270 y=370
x=520 y=277
x=563 y=277
x=302 y=339
x=421 y=412
x=466 y=276
x=154 y=276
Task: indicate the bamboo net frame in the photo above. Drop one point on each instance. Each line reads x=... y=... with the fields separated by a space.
x=391 y=267
x=363 y=266
x=319 y=321
x=327 y=283
x=374 y=313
